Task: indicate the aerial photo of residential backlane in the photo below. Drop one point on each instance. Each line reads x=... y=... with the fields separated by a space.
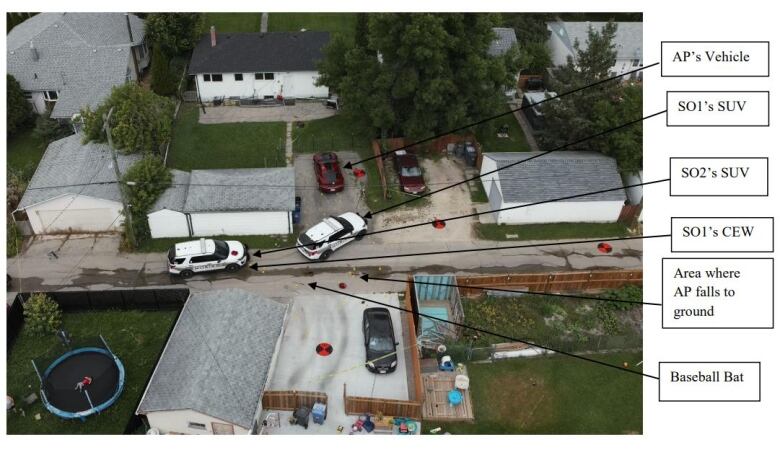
x=324 y=223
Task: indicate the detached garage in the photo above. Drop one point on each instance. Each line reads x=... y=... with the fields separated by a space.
x=553 y=176
x=225 y=202
x=75 y=189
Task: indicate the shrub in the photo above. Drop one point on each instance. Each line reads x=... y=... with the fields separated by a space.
x=42 y=314
x=163 y=79
x=18 y=110
x=49 y=129
x=146 y=179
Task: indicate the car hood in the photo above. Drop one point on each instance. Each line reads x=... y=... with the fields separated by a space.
x=236 y=246
x=355 y=220
x=381 y=359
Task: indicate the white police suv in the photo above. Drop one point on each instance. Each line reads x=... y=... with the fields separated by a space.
x=188 y=258
x=319 y=242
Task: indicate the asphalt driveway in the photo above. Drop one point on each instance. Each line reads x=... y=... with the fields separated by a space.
x=316 y=205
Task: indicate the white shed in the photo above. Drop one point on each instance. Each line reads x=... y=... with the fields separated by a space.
x=215 y=366
x=225 y=202
x=75 y=189
x=553 y=176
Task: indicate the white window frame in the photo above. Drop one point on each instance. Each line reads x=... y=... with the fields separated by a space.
x=47 y=98
x=196 y=426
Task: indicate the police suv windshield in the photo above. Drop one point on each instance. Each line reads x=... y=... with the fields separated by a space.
x=221 y=249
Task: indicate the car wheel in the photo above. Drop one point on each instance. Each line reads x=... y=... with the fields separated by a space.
x=232 y=268
x=360 y=235
x=324 y=256
x=186 y=273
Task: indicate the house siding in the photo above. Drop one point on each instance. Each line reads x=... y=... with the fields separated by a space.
x=296 y=84
x=560 y=212
x=240 y=223
x=177 y=421
x=75 y=213
x=168 y=223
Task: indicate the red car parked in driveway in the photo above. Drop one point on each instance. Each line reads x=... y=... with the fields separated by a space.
x=410 y=175
x=328 y=172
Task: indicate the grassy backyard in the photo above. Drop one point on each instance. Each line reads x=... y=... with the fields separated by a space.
x=550 y=231
x=553 y=395
x=137 y=337
x=24 y=152
x=253 y=241
x=343 y=23
x=224 y=146
x=491 y=143
x=234 y=22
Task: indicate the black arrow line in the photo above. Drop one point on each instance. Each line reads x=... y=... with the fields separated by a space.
x=256 y=266
x=365 y=277
x=315 y=286
x=260 y=253
x=370 y=214
x=488 y=119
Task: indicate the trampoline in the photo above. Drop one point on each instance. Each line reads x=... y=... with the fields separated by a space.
x=58 y=382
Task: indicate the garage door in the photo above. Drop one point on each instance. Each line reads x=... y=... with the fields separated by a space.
x=78 y=220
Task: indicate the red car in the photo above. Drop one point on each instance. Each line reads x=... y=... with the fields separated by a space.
x=410 y=175
x=328 y=172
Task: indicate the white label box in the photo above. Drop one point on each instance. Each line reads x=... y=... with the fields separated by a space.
x=723 y=235
x=717 y=293
x=715 y=58
x=727 y=176
x=709 y=381
x=698 y=108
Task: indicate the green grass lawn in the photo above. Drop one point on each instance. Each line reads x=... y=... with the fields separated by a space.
x=233 y=22
x=224 y=146
x=25 y=150
x=330 y=134
x=137 y=338
x=343 y=23
x=253 y=241
x=514 y=143
x=550 y=231
x=553 y=395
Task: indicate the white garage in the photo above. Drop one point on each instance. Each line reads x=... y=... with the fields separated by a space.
x=218 y=202
x=553 y=176
x=75 y=189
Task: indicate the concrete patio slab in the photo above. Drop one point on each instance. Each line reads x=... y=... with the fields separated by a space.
x=303 y=111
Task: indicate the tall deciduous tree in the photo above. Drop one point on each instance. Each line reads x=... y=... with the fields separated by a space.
x=163 y=79
x=175 y=33
x=587 y=112
x=419 y=74
x=18 y=110
x=141 y=121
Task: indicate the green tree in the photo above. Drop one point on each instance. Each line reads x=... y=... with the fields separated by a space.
x=146 y=180
x=49 y=129
x=42 y=315
x=419 y=74
x=142 y=120
x=534 y=57
x=175 y=33
x=529 y=27
x=163 y=80
x=18 y=109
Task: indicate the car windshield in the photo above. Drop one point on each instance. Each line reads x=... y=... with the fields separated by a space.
x=221 y=249
x=412 y=171
x=329 y=172
x=346 y=224
x=381 y=344
x=304 y=239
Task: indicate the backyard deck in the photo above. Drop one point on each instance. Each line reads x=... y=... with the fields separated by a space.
x=436 y=406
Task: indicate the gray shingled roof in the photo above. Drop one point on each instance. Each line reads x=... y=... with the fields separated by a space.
x=559 y=174
x=175 y=195
x=258 y=52
x=628 y=38
x=505 y=39
x=218 y=357
x=81 y=55
x=70 y=167
x=261 y=189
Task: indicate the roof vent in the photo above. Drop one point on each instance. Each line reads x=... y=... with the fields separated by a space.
x=213 y=31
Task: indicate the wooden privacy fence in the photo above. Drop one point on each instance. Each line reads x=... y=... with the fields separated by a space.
x=552 y=282
x=290 y=400
x=414 y=369
x=375 y=406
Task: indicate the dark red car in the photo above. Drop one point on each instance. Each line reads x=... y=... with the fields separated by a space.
x=328 y=172
x=410 y=175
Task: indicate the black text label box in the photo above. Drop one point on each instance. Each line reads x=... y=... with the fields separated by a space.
x=738 y=108
x=715 y=58
x=728 y=176
x=709 y=381
x=723 y=235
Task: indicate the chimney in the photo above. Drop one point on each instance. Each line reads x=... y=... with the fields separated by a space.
x=33 y=51
x=213 y=36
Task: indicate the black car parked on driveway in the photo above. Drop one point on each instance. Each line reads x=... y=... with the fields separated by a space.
x=380 y=341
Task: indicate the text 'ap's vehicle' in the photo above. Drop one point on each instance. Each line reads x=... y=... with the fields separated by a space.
x=320 y=241
x=326 y=168
x=204 y=255
x=380 y=341
x=410 y=176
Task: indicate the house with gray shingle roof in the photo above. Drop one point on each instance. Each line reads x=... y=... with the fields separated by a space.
x=68 y=61
x=627 y=42
x=520 y=180
x=75 y=189
x=505 y=38
x=209 y=202
x=216 y=364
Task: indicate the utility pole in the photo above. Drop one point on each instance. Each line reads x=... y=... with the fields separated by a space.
x=122 y=190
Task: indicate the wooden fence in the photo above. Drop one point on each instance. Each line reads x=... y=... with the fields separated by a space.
x=290 y=400
x=414 y=368
x=376 y=406
x=552 y=282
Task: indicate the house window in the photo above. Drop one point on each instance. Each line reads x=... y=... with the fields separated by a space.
x=268 y=76
x=197 y=426
x=238 y=77
x=258 y=76
x=207 y=77
x=635 y=62
x=216 y=78
x=50 y=95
